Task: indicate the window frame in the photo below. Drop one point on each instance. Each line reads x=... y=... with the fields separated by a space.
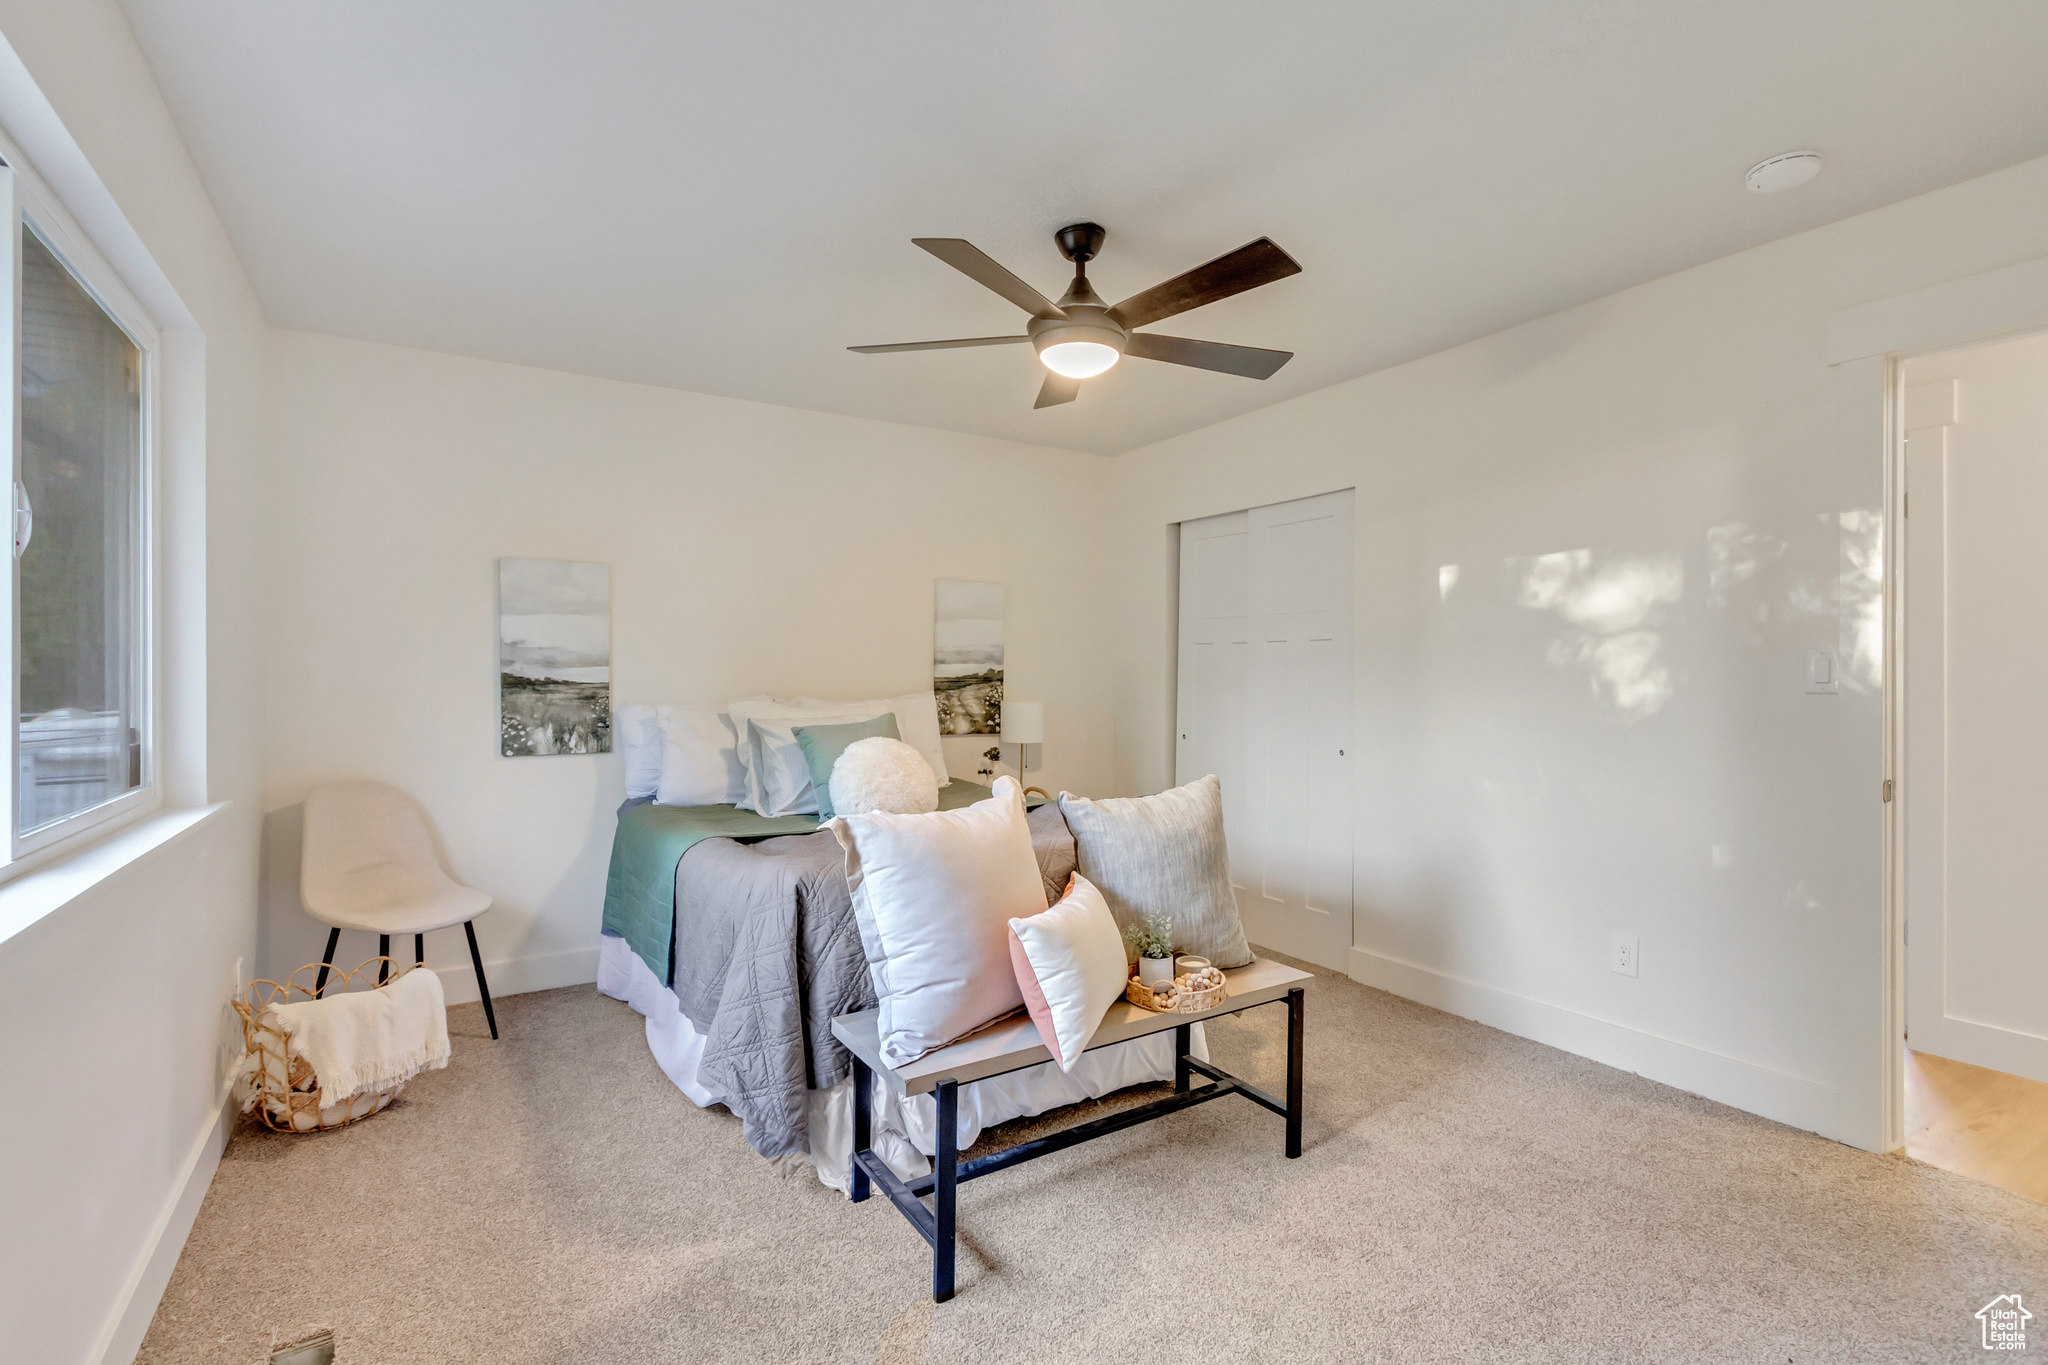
x=24 y=200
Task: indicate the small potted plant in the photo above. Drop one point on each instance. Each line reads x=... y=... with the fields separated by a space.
x=1152 y=939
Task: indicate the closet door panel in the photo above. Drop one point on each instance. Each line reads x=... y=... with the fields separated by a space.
x=1214 y=700
x=1301 y=573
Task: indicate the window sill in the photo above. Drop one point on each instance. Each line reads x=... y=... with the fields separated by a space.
x=45 y=887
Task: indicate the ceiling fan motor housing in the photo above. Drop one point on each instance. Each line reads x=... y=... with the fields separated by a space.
x=1084 y=322
x=1087 y=321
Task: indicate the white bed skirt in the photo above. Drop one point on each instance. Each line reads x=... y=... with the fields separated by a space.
x=905 y=1130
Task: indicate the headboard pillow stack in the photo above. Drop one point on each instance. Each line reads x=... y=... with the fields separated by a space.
x=746 y=753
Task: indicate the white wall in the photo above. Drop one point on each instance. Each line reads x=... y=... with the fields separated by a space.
x=1656 y=503
x=753 y=548
x=112 y=999
x=1975 y=644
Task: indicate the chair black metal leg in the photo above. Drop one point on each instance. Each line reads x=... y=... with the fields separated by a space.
x=476 y=959
x=383 y=951
x=326 y=961
x=1183 y=1039
x=1297 y=1001
x=419 y=950
x=945 y=1167
x=863 y=1120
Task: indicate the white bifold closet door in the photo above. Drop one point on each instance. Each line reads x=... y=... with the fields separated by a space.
x=1265 y=704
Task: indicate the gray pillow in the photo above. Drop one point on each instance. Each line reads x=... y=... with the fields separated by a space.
x=1163 y=854
x=822 y=745
x=1053 y=842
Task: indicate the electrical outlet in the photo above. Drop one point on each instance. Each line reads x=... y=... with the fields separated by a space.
x=1625 y=958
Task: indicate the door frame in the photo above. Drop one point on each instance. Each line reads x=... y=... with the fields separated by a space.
x=1869 y=345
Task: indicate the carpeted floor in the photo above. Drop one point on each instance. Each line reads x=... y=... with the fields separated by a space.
x=1463 y=1195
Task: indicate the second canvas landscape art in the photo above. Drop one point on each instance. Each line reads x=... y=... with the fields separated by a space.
x=967 y=656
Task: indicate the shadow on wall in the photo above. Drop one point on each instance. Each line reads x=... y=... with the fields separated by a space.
x=286 y=936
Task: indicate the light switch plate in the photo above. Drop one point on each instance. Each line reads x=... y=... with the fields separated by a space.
x=1823 y=671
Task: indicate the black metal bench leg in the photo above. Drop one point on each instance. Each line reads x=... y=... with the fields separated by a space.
x=383 y=951
x=1297 y=1000
x=476 y=959
x=863 y=1119
x=326 y=961
x=1183 y=1038
x=945 y=1170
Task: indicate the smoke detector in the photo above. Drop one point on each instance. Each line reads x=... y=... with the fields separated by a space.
x=1782 y=172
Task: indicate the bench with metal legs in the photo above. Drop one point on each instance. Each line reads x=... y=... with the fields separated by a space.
x=1014 y=1045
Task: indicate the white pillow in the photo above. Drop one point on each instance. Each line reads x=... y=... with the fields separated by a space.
x=636 y=734
x=700 y=764
x=934 y=896
x=917 y=723
x=1070 y=967
x=778 y=774
x=879 y=773
x=744 y=711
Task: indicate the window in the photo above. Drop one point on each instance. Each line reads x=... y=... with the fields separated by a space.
x=81 y=663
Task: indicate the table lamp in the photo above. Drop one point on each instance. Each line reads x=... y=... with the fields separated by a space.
x=1023 y=723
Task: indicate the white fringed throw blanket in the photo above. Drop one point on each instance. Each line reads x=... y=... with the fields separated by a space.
x=370 y=1040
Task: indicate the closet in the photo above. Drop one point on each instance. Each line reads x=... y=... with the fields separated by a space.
x=1264 y=701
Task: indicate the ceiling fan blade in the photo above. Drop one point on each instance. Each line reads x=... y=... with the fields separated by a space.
x=1250 y=361
x=1056 y=390
x=969 y=259
x=1248 y=267
x=935 y=345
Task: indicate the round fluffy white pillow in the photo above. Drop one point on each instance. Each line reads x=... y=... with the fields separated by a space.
x=885 y=775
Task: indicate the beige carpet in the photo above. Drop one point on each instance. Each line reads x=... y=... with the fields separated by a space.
x=1464 y=1195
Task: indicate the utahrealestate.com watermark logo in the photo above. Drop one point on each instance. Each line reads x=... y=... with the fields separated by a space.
x=2005 y=1321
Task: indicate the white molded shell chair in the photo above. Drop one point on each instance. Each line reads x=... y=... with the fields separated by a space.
x=368 y=864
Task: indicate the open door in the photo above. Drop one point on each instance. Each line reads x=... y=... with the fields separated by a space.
x=1974 y=642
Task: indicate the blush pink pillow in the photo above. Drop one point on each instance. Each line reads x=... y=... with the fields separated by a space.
x=1070 y=968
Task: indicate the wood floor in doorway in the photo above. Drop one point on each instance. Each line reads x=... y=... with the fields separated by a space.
x=1984 y=1124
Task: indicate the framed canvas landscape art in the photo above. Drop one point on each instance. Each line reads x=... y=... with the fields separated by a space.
x=554 y=657
x=967 y=656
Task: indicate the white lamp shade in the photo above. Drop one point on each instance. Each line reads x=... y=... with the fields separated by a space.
x=1023 y=722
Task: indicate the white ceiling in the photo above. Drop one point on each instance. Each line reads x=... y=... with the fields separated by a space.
x=720 y=197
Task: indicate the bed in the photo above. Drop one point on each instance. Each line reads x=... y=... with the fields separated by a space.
x=734 y=935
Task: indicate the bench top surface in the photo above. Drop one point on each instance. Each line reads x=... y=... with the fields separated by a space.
x=1013 y=1042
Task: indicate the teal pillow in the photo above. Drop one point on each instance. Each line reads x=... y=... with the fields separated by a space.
x=822 y=745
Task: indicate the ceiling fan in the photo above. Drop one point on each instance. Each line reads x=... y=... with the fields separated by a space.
x=1080 y=336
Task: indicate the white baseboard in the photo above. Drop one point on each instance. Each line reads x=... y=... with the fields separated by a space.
x=1790 y=1100
x=128 y=1323
x=518 y=975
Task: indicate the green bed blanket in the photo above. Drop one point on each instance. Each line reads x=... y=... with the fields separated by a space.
x=640 y=890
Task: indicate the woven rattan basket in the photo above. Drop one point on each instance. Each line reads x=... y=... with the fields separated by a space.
x=1181 y=1000
x=281 y=1089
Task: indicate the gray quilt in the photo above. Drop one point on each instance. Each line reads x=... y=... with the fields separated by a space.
x=767 y=953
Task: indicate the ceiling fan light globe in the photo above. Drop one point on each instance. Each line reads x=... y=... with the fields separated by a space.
x=1078 y=359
